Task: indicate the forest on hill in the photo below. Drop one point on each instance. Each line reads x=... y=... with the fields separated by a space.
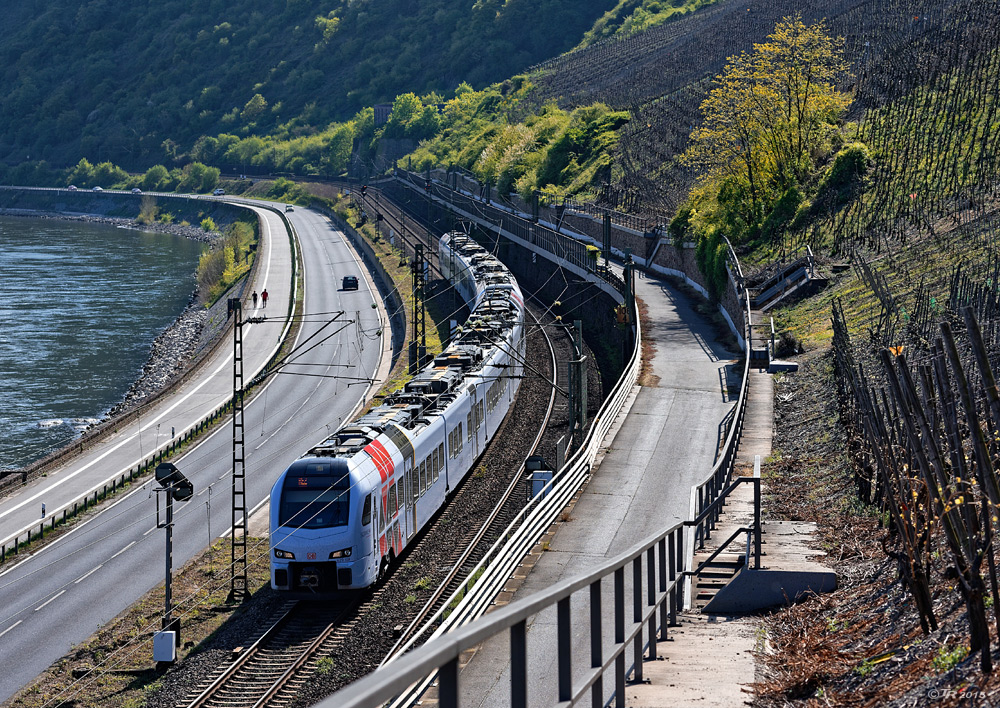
x=867 y=130
x=137 y=83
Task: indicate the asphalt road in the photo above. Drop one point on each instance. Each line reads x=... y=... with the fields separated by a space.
x=64 y=592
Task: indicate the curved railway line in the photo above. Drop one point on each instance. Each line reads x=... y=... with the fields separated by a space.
x=282 y=667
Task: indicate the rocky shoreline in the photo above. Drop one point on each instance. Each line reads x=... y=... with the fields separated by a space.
x=176 y=347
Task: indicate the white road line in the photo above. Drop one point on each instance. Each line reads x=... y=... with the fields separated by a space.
x=49 y=600
x=149 y=424
x=10 y=627
x=150 y=531
x=88 y=573
x=123 y=550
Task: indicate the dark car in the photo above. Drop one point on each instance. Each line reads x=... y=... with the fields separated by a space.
x=350 y=282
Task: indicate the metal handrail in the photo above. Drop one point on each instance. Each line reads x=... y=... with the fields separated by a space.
x=668 y=555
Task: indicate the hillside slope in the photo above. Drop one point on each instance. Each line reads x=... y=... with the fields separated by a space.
x=114 y=81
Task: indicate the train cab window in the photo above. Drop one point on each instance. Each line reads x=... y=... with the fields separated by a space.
x=316 y=495
x=366 y=511
x=392 y=501
x=381 y=514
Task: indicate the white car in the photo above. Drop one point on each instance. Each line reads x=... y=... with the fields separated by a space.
x=136 y=190
x=97 y=189
x=219 y=192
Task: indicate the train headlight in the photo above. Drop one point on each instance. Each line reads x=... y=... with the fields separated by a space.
x=343 y=553
x=287 y=555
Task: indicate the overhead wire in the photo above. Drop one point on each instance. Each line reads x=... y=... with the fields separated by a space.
x=270 y=547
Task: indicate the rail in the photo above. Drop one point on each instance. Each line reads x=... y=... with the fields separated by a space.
x=428 y=616
x=659 y=589
x=11 y=545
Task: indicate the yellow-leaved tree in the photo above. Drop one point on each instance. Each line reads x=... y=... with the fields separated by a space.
x=768 y=119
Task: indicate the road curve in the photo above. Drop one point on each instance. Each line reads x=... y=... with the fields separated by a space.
x=69 y=588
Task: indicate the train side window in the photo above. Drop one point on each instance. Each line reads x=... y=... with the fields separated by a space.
x=423 y=477
x=468 y=420
x=381 y=514
x=440 y=457
x=392 y=500
x=459 y=440
x=414 y=483
x=434 y=464
x=366 y=511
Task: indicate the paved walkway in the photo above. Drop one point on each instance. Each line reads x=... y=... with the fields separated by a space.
x=710 y=661
x=666 y=445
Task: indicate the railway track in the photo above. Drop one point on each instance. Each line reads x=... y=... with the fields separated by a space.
x=469 y=553
x=269 y=666
x=274 y=670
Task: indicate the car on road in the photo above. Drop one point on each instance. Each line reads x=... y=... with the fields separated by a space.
x=136 y=190
x=289 y=207
x=71 y=188
x=350 y=282
x=219 y=192
x=97 y=188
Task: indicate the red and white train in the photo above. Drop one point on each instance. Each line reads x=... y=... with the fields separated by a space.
x=341 y=513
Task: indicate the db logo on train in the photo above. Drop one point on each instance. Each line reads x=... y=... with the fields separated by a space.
x=310 y=556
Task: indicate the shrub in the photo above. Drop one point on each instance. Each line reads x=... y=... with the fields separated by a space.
x=208 y=224
x=711 y=255
x=849 y=166
x=781 y=214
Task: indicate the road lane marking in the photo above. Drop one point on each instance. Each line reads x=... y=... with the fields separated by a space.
x=49 y=600
x=10 y=627
x=123 y=550
x=155 y=420
x=88 y=573
x=151 y=530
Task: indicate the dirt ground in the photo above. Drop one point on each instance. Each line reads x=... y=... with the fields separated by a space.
x=115 y=666
x=861 y=645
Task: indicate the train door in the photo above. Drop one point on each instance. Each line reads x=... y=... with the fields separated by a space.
x=395 y=540
x=474 y=421
x=410 y=511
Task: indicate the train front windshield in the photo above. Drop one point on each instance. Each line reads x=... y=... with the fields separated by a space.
x=316 y=495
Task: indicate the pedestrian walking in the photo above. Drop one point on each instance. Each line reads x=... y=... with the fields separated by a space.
x=255 y=299
x=263 y=297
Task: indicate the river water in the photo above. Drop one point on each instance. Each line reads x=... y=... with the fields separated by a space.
x=80 y=304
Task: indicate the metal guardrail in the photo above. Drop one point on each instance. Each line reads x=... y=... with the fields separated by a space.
x=60 y=515
x=703 y=495
x=658 y=590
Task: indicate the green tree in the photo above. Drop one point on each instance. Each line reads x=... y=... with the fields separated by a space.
x=106 y=173
x=768 y=118
x=156 y=178
x=254 y=107
x=82 y=174
x=339 y=149
x=406 y=109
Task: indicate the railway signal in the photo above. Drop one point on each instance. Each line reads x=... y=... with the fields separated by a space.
x=177 y=487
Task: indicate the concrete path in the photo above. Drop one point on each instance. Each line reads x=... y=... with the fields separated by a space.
x=667 y=443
